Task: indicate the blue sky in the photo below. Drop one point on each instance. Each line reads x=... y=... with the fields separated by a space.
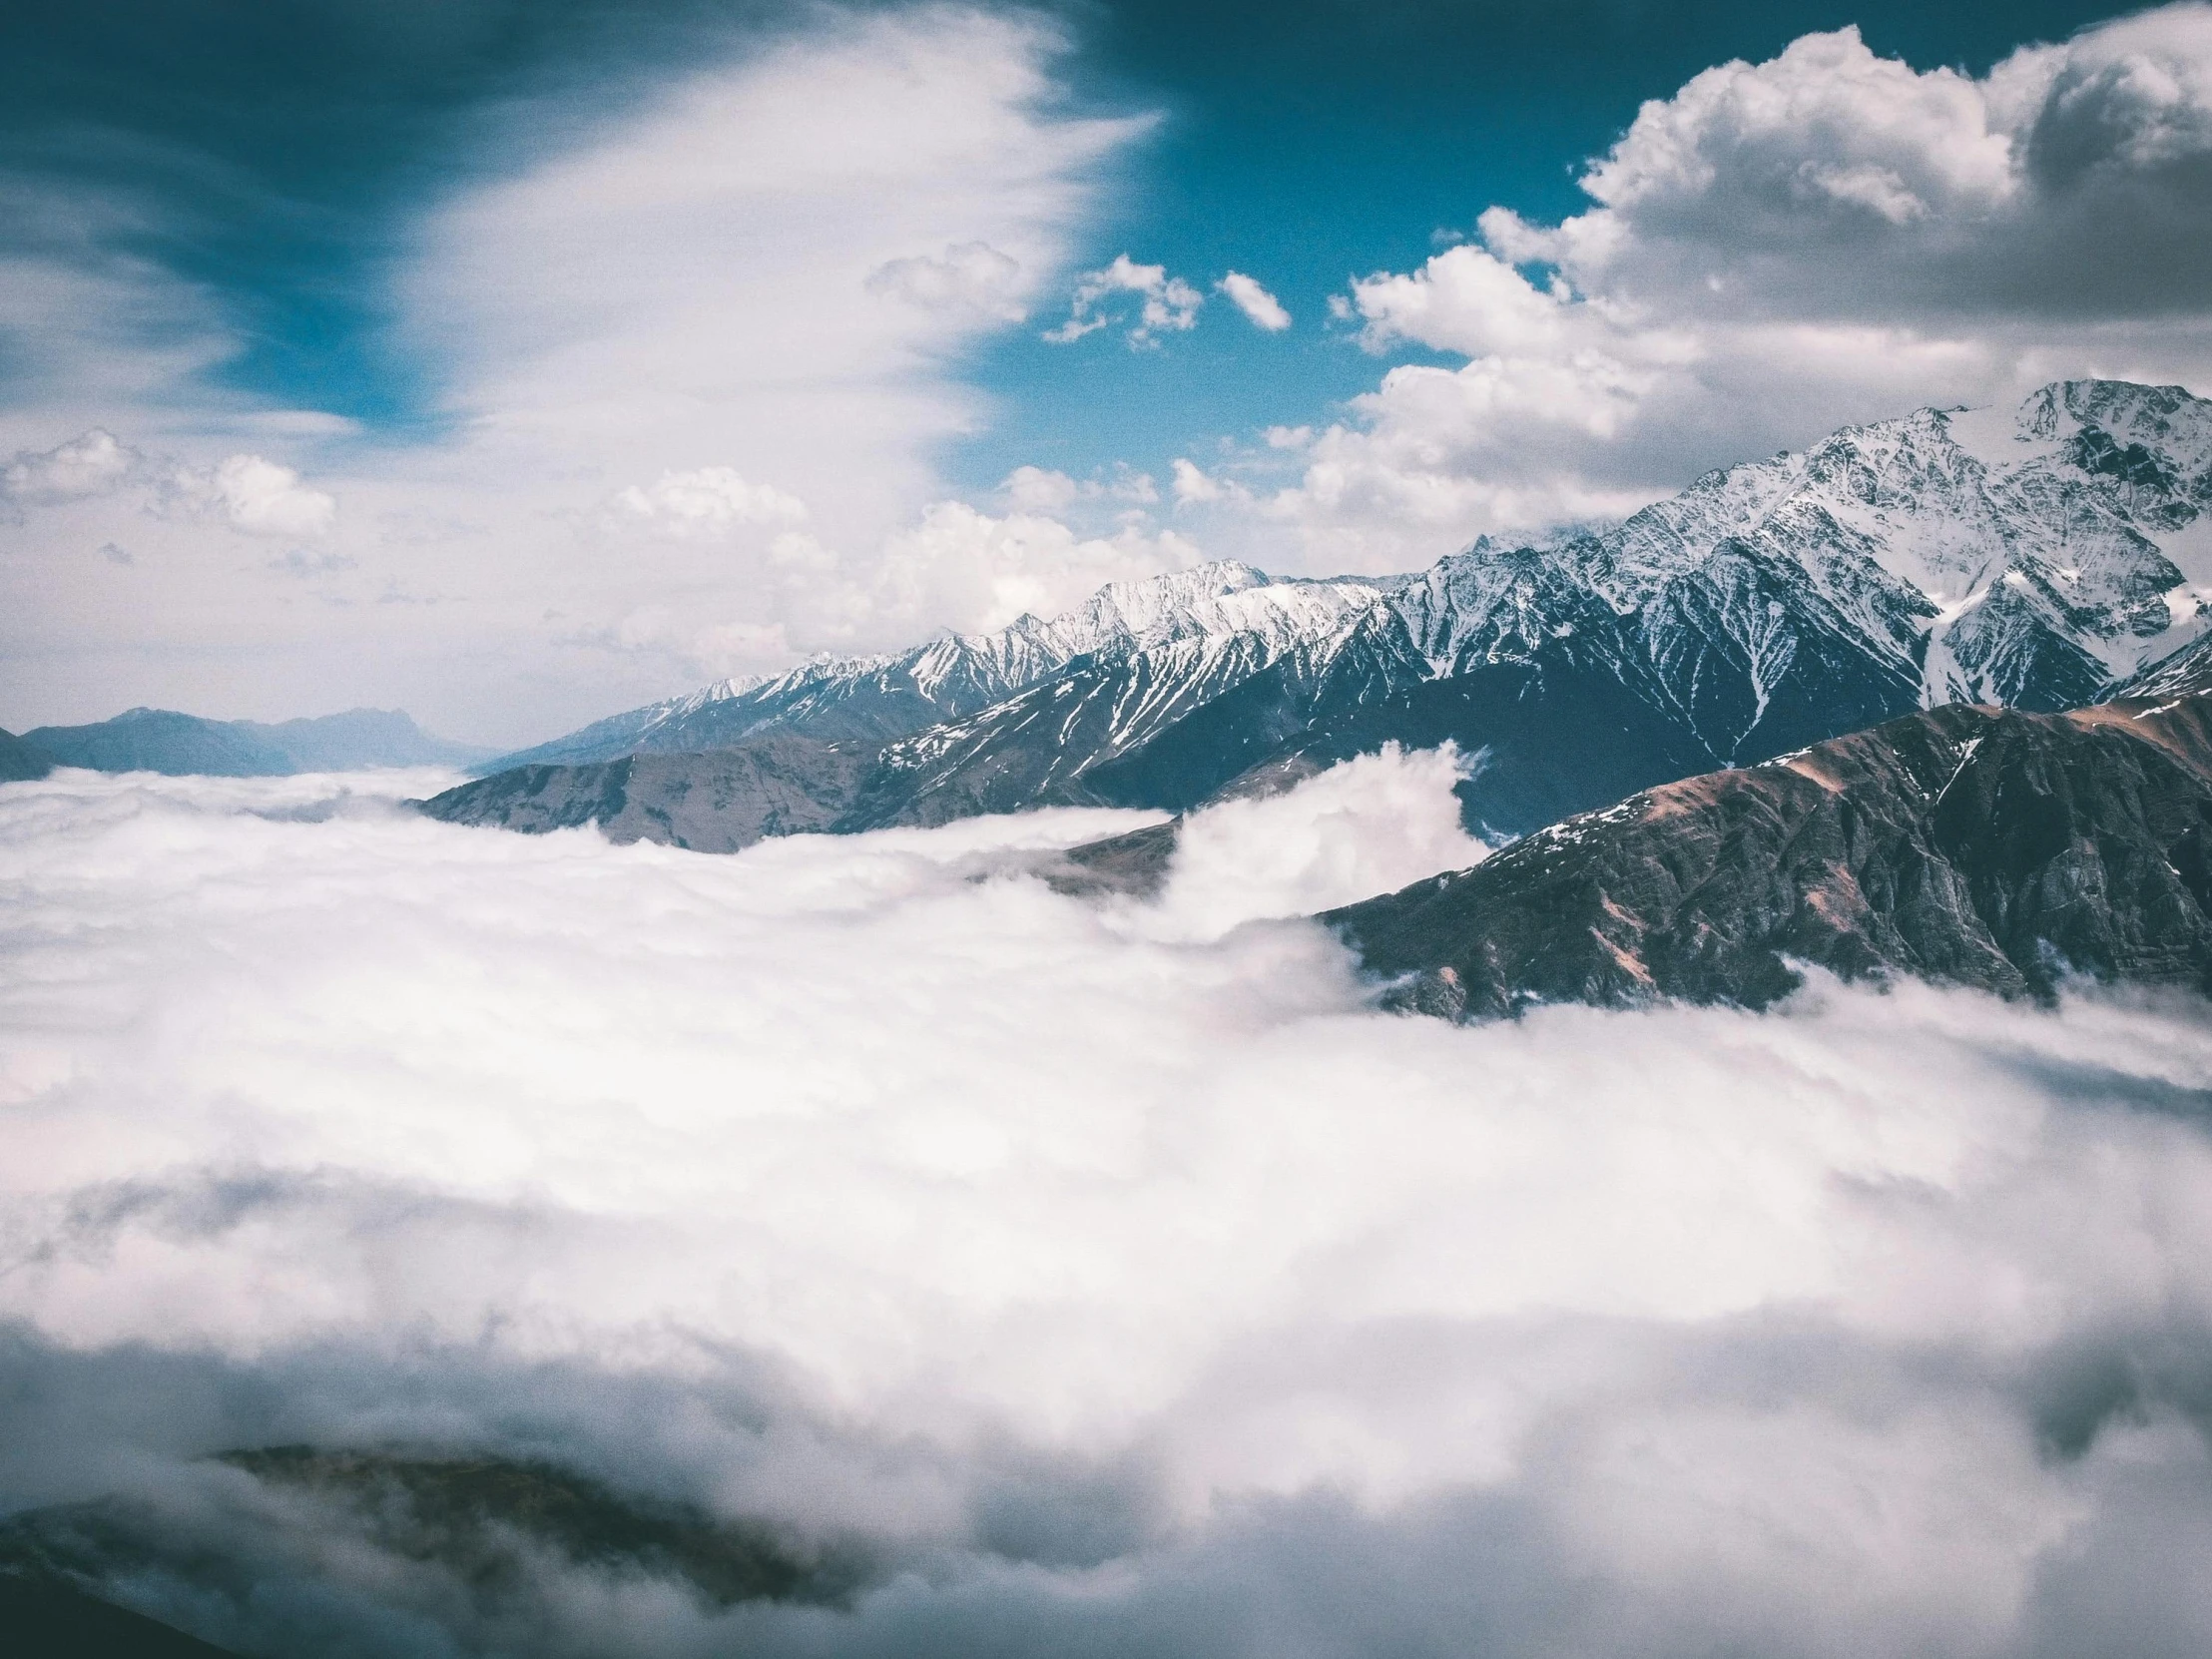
x=1308 y=144
x=1304 y=144
x=517 y=362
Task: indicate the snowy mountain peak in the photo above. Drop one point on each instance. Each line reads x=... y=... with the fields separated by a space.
x=2036 y=554
x=1992 y=555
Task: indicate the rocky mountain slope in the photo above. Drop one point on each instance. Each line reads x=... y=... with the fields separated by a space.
x=719 y=801
x=2037 y=558
x=164 y=740
x=1968 y=845
x=347 y=1521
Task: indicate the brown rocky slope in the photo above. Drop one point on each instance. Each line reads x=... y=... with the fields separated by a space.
x=1964 y=845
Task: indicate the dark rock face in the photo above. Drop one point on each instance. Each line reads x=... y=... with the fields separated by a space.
x=454 y=1511
x=179 y=745
x=51 y=1618
x=1966 y=846
x=20 y=760
x=1135 y=864
x=340 y=1520
x=720 y=802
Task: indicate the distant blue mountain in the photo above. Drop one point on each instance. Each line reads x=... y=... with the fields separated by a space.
x=164 y=740
x=19 y=759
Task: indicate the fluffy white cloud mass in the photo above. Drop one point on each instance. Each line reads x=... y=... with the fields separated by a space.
x=256 y=495
x=711 y=501
x=1037 y=489
x=92 y=464
x=974 y=276
x=639 y=307
x=1168 y=303
x=1260 y=307
x=1778 y=249
x=1110 y=1271
x=954 y=561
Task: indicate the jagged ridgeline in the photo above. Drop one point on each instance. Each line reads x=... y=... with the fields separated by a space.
x=2038 y=558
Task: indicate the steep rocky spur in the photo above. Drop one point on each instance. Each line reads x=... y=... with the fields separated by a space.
x=1968 y=845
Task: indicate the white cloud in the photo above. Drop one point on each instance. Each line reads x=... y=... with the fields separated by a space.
x=954 y=567
x=1193 y=485
x=1118 y=1279
x=1371 y=825
x=985 y=572
x=248 y=493
x=972 y=275
x=1777 y=250
x=708 y=501
x=1260 y=307
x=777 y=261
x=254 y=495
x=1036 y=489
x=1168 y=303
x=92 y=464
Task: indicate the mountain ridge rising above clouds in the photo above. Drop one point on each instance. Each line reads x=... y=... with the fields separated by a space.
x=20 y=761
x=181 y=745
x=1967 y=845
x=2037 y=558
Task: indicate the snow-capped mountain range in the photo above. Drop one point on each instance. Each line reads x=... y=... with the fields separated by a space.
x=2039 y=558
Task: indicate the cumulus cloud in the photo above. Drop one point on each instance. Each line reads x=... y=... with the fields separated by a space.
x=710 y=501
x=972 y=275
x=955 y=566
x=1193 y=485
x=962 y=562
x=1369 y=825
x=1168 y=303
x=251 y=494
x=1036 y=489
x=93 y=464
x=1777 y=250
x=248 y=493
x=1261 y=307
x=1111 y=1272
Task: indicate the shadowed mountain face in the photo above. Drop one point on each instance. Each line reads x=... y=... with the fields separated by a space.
x=51 y=1618
x=178 y=745
x=1966 y=846
x=490 y=1536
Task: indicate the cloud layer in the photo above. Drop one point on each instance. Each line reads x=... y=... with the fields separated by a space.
x=1111 y=1270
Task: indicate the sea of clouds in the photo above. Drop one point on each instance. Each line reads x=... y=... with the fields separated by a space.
x=1110 y=1272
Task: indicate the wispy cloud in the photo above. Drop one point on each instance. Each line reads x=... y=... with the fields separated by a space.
x=1260 y=307
x=1164 y=303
